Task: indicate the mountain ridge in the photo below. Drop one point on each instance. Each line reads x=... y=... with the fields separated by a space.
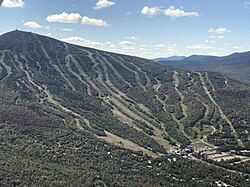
x=236 y=65
x=171 y=58
x=202 y=57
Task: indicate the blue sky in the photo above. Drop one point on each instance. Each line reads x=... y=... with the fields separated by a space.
x=146 y=28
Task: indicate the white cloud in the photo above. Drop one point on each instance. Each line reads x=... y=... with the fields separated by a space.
x=238 y=47
x=145 y=52
x=103 y=4
x=67 y=30
x=65 y=18
x=148 y=51
x=110 y=44
x=128 y=48
x=150 y=11
x=142 y=50
x=209 y=41
x=76 y=18
x=172 y=47
x=82 y=41
x=159 y=46
x=217 y=37
x=32 y=25
x=106 y=46
x=126 y=43
x=246 y=4
x=170 y=12
x=219 y=30
x=13 y=3
x=91 y=21
x=167 y=48
x=131 y=38
x=199 y=47
x=176 y=12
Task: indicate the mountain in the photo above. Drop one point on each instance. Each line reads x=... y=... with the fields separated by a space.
x=76 y=116
x=171 y=58
x=236 y=66
x=200 y=58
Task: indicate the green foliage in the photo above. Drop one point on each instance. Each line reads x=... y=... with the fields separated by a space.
x=58 y=101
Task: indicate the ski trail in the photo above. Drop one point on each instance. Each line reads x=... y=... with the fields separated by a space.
x=226 y=82
x=114 y=90
x=67 y=110
x=219 y=109
x=115 y=71
x=182 y=129
x=148 y=83
x=68 y=60
x=176 y=85
x=49 y=95
x=137 y=76
x=54 y=65
x=86 y=77
x=202 y=102
x=210 y=83
x=117 y=100
x=157 y=88
x=57 y=68
x=8 y=68
x=183 y=106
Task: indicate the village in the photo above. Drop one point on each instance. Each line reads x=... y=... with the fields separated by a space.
x=232 y=156
x=227 y=160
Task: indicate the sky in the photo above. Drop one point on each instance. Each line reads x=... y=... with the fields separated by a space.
x=145 y=28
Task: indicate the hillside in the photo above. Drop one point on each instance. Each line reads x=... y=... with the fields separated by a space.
x=72 y=115
x=236 y=66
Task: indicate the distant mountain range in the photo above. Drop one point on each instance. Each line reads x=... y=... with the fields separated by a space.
x=236 y=66
x=172 y=58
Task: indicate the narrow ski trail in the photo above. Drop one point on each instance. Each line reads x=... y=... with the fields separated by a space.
x=223 y=116
x=8 y=68
x=176 y=85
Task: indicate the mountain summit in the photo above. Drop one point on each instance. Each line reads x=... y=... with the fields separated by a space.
x=71 y=115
